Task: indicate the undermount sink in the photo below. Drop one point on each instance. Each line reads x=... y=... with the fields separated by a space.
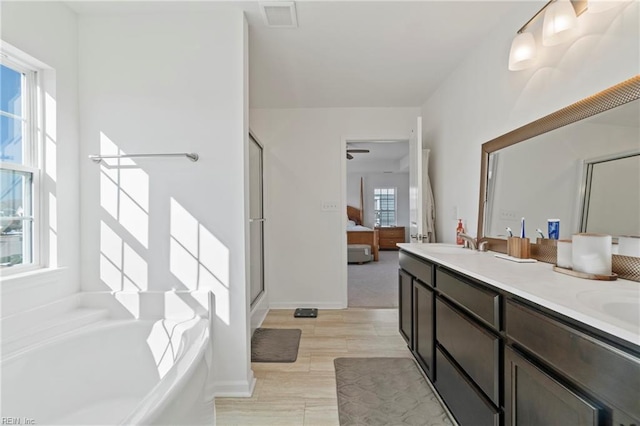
x=622 y=305
x=448 y=249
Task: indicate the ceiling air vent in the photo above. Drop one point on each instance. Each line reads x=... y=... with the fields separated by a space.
x=279 y=14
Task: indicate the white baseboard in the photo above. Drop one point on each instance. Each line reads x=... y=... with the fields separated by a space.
x=235 y=389
x=293 y=305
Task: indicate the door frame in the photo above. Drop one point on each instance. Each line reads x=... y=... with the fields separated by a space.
x=344 y=277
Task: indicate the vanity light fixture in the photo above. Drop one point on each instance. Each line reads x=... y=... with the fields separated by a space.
x=523 y=52
x=560 y=19
x=560 y=23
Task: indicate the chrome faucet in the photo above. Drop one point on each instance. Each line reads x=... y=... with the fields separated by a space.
x=469 y=241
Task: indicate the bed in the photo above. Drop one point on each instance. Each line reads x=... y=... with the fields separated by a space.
x=358 y=234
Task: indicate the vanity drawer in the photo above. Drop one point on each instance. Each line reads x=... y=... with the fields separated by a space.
x=418 y=268
x=483 y=303
x=476 y=350
x=611 y=374
x=460 y=396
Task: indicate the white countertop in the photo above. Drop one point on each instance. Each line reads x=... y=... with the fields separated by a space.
x=610 y=306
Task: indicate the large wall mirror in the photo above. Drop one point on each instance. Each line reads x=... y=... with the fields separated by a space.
x=580 y=164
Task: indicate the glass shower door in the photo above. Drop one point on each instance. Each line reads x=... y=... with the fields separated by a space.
x=256 y=221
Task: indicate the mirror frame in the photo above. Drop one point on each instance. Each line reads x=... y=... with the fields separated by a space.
x=620 y=94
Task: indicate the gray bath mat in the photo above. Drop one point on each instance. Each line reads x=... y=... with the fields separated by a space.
x=275 y=344
x=385 y=391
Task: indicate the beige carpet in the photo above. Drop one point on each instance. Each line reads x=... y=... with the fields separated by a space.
x=385 y=391
x=275 y=344
x=374 y=284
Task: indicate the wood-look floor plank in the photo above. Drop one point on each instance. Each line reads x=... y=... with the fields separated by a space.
x=296 y=387
x=319 y=412
x=304 y=392
x=371 y=316
x=322 y=344
x=387 y=330
x=301 y=365
x=339 y=330
x=261 y=413
x=374 y=344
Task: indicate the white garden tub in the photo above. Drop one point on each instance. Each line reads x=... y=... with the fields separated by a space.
x=113 y=372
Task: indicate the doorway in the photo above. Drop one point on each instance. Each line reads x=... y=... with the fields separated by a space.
x=377 y=182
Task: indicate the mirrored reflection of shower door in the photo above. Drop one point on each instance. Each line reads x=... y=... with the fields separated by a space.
x=256 y=220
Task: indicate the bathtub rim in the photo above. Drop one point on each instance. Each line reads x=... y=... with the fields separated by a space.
x=148 y=409
x=194 y=343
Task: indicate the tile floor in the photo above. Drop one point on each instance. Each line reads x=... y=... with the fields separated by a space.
x=304 y=392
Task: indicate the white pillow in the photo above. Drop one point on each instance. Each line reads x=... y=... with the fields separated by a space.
x=350 y=224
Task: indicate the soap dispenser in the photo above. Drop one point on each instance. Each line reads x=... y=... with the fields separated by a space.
x=459 y=230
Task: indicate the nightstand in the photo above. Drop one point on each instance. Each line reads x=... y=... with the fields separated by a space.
x=389 y=236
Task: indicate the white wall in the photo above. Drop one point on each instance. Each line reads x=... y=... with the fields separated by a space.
x=482 y=99
x=47 y=32
x=400 y=181
x=162 y=83
x=304 y=166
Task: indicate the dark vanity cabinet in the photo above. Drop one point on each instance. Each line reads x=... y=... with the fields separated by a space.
x=469 y=345
x=572 y=374
x=423 y=332
x=405 y=306
x=497 y=359
x=533 y=397
x=417 y=309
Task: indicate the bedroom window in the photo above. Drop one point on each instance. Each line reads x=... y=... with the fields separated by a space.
x=385 y=206
x=19 y=172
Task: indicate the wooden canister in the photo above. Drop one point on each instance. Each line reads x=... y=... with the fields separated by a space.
x=519 y=247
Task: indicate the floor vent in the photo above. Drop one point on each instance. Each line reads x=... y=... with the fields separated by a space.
x=279 y=14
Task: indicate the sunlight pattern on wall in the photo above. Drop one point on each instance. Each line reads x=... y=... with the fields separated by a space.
x=48 y=133
x=121 y=268
x=50 y=149
x=198 y=259
x=53 y=229
x=124 y=191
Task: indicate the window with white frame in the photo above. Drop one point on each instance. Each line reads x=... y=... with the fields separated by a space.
x=385 y=206
x=19 y=165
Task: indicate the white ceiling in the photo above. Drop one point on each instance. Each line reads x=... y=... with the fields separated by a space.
x=349 y=53
x=365 y=54
x=383 y=156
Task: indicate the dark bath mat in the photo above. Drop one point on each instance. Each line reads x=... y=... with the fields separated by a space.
x=385 y=391
x=275 y=344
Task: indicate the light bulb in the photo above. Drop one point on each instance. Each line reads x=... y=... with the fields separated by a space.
x=560 y=22
x=523 y=52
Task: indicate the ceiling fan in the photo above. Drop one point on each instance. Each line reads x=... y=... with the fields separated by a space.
x=355 y=151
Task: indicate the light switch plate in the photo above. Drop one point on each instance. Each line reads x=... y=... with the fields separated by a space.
x=329 y=206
